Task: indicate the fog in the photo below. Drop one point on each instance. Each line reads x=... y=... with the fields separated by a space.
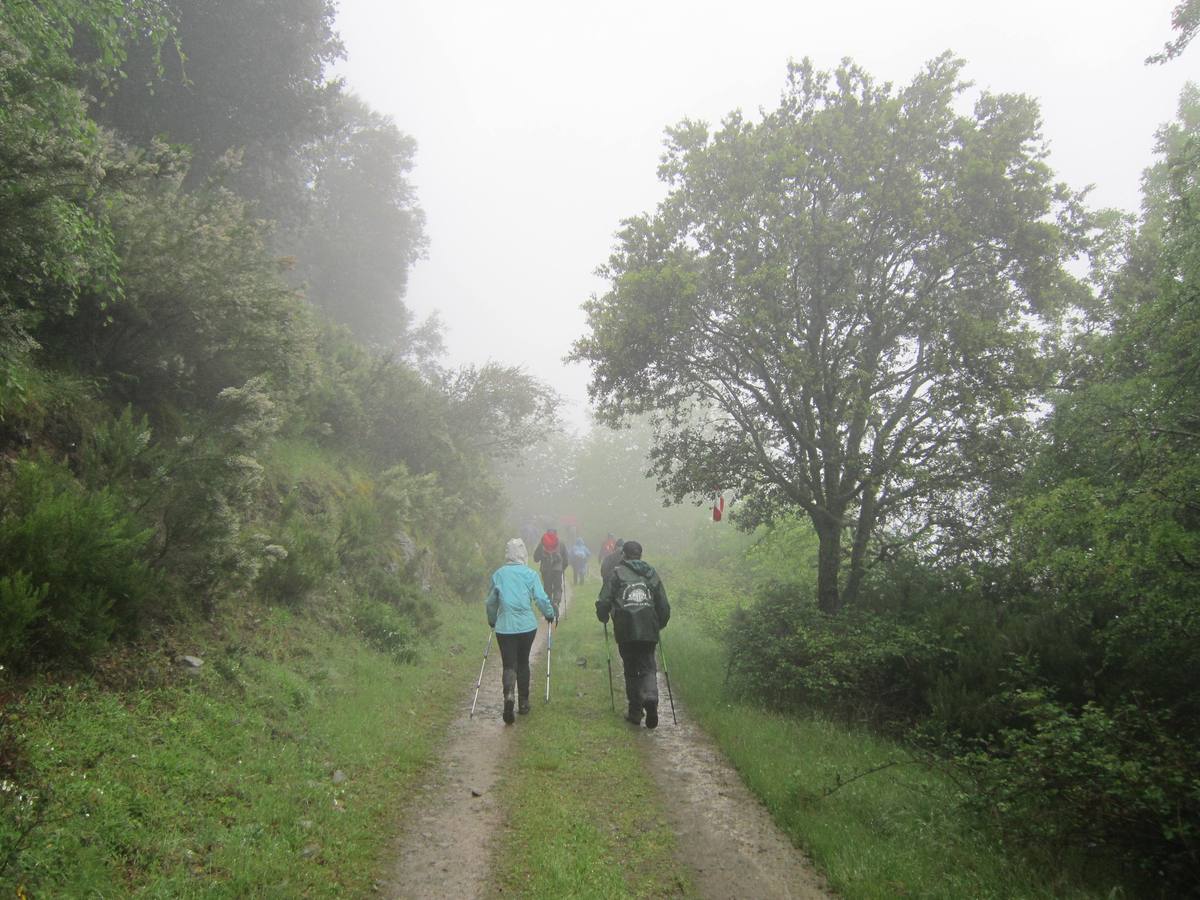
x=540 y=124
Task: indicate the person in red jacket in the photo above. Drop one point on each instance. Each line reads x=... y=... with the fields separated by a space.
x=552 y=555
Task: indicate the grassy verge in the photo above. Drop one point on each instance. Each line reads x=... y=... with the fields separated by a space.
x=273 y=772
x=898 y=831
x=584 y=816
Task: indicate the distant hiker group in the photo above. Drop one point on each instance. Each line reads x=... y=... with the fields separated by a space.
x=631 y=595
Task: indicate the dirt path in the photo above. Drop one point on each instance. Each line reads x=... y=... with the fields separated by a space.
x=725 y=836
x=445 y=851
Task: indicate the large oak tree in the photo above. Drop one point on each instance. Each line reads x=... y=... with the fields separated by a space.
x=837 y=308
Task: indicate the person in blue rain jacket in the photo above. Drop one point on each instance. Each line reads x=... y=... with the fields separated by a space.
x=515 y=588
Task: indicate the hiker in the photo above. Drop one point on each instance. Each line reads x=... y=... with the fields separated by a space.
x=634 y=596
x=610 y=559
x=609 y=545
x=579 y=561
x=552 y=555
x=510 y=613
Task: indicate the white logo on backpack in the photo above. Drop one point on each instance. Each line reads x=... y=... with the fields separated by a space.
x=635 y=596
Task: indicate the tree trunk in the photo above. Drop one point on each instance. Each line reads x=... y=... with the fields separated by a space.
x=858 y=549
x=829 y=558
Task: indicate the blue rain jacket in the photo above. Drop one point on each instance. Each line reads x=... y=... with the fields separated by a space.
x=509 y=608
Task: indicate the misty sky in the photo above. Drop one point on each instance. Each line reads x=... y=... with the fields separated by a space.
x=540 y=124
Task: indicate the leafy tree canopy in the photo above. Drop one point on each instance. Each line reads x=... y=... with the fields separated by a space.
x=245 y=75
x=364 y=229
x=835 y=308
x=1185 y=20
x=53 y=158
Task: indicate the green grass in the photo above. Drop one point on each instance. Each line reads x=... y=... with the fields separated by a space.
x=584 y=816
x=900 y=831
x=222 y=784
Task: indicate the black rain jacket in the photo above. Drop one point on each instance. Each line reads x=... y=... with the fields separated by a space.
x=634 y=597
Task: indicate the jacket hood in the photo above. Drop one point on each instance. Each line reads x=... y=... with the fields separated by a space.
x=514 y=551
x=642 y=567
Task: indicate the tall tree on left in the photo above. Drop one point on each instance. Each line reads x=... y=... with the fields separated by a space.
x=248 y=76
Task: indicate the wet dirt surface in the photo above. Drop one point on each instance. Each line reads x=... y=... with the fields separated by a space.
x=444 y=851
x=725 y=836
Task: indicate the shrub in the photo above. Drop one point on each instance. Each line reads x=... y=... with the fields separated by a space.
x=305 y=559
x=1119 y=782
x=82 y=552
x=20 y=607
x=396 y=590
x=384 y=628
x=856 y=664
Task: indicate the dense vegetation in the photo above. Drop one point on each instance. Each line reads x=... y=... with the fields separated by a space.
x=191 y=419
x=857 y=312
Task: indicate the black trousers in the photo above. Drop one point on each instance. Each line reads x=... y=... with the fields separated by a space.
x=641 y=678
x=553 y=582
x=514 y=655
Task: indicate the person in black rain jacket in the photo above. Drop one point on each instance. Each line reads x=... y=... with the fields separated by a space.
x=634 y=598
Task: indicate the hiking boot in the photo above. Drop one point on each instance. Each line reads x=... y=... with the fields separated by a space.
x=634 y=717
x=523 y=706
x=509 y=718
x=651 y=715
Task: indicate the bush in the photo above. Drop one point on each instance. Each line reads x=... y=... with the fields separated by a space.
x=384 y=628
x=78 y=561
x=295 y=569
x=1120 y=783
x=854 y=665
x=20 y=607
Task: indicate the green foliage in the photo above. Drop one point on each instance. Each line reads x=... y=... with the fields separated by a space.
x=58 y=242
x=385 y=628
x=364 y=229
x=79 y=566
x=21 y=603
x=301 y=561
x=1185 y=21
x=1120 y=781
x=199 y=492
x=789 y=352
x=785 y=554
x=217 y=782
x=879 y=819
x=497 y=411
x=266 y=60
x=858 y=665
x=205 y=305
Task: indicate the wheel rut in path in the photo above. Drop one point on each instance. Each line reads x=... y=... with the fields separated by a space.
x=444 y=849
x=724 y=835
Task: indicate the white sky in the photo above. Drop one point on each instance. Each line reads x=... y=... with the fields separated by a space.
x=539 y=123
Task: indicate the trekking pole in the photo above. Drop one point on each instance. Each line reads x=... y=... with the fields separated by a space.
x=667 y=675
x=486 y=651
x=607 y=652
x=549 y=647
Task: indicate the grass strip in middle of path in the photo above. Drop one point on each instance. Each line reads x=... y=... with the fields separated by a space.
x=584 y=818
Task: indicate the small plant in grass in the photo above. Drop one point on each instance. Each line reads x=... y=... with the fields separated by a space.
x=385 y=629
x=22 y=806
